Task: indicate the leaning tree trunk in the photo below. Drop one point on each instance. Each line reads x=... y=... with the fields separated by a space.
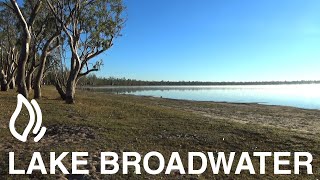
x=40 y=74
x=60 y=90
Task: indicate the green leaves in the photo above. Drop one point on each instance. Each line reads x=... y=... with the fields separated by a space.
x=101 y=21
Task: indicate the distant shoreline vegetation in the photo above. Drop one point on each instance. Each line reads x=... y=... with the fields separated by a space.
x=92 y=80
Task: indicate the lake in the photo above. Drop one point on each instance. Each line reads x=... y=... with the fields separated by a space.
x=303 y=95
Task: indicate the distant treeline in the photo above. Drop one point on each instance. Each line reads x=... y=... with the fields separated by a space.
x=93 y=80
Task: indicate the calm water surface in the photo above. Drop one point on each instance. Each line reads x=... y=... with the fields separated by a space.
x=302 y=96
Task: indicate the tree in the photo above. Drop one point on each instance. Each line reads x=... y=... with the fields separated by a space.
x=48 y=41
x=26 y=26
x=8 y=48
x=8 y=68
x=90 y=27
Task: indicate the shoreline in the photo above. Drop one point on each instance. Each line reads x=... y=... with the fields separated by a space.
x=225 y=102
x=276 y=109
x=294 y=122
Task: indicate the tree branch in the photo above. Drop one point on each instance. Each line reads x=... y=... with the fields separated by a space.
x=87 y=72
x=20 y=15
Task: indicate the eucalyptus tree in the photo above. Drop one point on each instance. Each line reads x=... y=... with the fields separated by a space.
x=8 y=48
x=46 y=40
x=8 y=60
x=90 y=27
x=26 y=23
x=8 y=66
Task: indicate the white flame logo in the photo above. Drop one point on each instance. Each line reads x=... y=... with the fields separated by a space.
x=36 y=130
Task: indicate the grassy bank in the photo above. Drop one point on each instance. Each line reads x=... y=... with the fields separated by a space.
x=105 y=122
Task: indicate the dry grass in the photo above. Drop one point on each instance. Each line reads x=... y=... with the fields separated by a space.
x=106 y=122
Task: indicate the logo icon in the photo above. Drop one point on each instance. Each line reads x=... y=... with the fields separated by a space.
x=40 y=131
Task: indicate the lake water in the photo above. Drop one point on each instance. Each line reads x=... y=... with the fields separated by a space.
x=303 y=96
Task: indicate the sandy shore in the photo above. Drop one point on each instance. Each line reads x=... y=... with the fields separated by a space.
x=295 y=119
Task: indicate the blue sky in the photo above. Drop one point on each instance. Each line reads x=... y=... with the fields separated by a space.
x=218 y=40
